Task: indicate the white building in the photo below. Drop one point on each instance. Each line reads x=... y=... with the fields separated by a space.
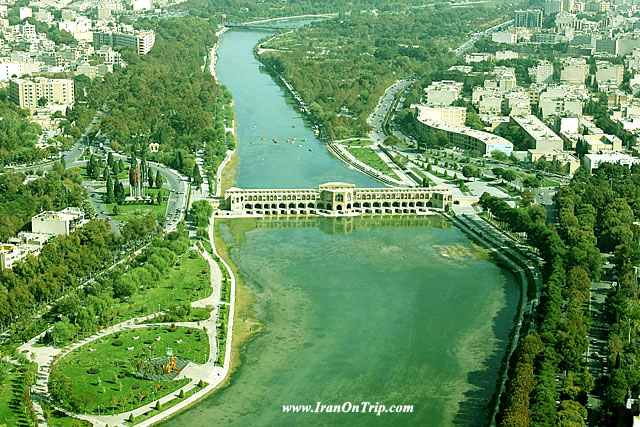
x=593 y=161
x=27 y=93
x=552 y=6
x=574 y=71
x=456 y=116
x=545 y=139
x=467 y=138
x=608 y=73
x=507 y=36
x=62 y=222
x=442 y=93
x=141 y=4
x=10 y=69
x=542 y=73
x=25 y=12
x=8 y=255
x=477 y=57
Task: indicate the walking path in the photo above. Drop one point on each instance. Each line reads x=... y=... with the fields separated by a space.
x=505 y=248
x=208 y=372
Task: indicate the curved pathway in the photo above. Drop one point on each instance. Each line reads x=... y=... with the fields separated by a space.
x=208 y=372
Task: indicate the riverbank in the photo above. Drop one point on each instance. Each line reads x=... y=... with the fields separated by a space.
x=284 y=18
x=213 y=54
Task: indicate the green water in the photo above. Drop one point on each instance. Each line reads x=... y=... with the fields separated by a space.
x=405 y=313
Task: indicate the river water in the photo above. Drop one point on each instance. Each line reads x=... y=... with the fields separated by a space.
x=395 y=311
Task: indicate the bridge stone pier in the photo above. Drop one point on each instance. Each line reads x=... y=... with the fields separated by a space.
x=335 y=199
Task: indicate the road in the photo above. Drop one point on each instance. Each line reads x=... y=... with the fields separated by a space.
x=376 y=119
x=175 y=182
x=71 y=157
x=477 y=36
x=597 y=351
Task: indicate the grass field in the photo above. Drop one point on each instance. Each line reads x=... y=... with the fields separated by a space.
x=184 y=283
x=423 y=176
x=370 y=158
x=59 y=419
x=102 y=371
x=173 y=402
x=140 y=210
x=11 y=407
x=357 y=142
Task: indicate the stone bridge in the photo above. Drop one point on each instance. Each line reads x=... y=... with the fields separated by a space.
x=258 y=26
x=335 y=199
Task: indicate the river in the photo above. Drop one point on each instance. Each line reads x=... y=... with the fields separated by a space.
x=395 y=311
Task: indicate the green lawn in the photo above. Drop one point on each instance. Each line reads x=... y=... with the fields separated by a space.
x=115 y=377
x=59 y=419
x=173 y=402
x=423 y=176
x=370 y=158
x=82 y=170
x=11 y=413
x=357 y=142
x=184 y=283
x=140 y=210
x=549 y=183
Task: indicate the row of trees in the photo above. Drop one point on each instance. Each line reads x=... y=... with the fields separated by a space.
x=601 y=210
x=555 y=349
x=341 y=67
x=595 y=213
x=18 y=135
x=56 y=190
x=164 y=97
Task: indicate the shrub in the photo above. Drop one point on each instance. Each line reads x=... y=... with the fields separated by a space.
x=181 y=395
x=92 y=371
x=117 y=343
x=132 y=418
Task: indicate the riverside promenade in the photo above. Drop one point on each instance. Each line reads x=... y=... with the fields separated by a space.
x=523 y=265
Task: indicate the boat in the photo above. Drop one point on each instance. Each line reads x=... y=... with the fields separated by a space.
x=252 y=142
x=264 y=138
x=300 y=145
x=310 y=149
x=293 y=142
x=293 y=126
x=275 y=140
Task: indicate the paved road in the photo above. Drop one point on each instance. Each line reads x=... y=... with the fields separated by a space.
x=376 y=119
x=72 y=157
x=477 y=36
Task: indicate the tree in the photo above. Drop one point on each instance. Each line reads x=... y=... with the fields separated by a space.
x=509 y=175
x=527 y=198
x=499 y=155
x=469 y=171
x=159 y=197
x=392 y=140
x=116 y=210
x=62 y=331
x=110 y=198
x=150 y=178
x=159 y=180
x=197 y=178
x=42 y=101
x=88 y=209
x=110 y=160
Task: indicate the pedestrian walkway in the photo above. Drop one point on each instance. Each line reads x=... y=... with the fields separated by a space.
x=208 y=372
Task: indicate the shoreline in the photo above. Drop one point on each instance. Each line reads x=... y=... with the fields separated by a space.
x=283 y=18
